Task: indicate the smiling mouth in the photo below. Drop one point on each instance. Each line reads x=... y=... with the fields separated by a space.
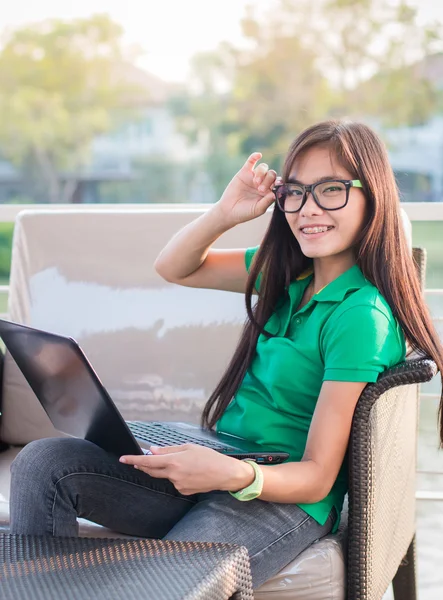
x=311 y=231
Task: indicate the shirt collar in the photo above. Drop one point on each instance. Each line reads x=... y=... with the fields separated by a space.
x=305 y=274
x=351 y=280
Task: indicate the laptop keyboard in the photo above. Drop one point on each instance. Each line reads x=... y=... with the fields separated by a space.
x=159 y=435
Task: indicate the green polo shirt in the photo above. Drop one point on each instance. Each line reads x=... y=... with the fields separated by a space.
x=346 y=332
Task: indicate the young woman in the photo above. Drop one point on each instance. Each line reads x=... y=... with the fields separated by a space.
x=337 y=293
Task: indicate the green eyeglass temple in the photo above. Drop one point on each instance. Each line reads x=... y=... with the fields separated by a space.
x=356 y=183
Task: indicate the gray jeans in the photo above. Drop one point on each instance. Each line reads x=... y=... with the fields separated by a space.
x=56 y=480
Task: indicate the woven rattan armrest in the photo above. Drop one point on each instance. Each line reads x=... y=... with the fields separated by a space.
x=382 y=465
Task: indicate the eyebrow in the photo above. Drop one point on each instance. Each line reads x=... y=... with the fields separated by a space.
x=319 y=180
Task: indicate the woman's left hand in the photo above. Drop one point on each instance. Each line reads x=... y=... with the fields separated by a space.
x=193 y=469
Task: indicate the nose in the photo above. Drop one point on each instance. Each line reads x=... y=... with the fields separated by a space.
x=310 y=207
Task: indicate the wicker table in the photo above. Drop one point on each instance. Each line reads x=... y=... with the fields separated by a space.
x=45 y=568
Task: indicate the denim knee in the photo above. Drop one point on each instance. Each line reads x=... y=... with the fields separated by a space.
x=46 y=457
x=34 y=475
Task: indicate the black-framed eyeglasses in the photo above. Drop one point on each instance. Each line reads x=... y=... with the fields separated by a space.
x=328 y=195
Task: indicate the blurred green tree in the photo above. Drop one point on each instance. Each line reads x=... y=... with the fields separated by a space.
x=376 y=53
x=154 y=179
x=252 y=99
x=304 y=60
x=59 y=85
x=6 y=233
x=204 y=114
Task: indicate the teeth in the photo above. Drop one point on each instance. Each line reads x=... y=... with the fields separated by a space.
x=314 y=229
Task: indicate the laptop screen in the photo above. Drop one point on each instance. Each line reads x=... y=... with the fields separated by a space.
x=67 y=386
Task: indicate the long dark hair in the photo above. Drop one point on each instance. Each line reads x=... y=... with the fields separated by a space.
x=382 y=254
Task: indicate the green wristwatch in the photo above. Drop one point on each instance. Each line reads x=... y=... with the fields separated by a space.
x=254 y=490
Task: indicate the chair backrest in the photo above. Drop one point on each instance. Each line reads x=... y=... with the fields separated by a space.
x=382 y=466
x=420 y=258
x=159 y=348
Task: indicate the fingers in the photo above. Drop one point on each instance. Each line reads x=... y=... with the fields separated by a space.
x=154 y=469
x=252 y=161
x=265 y=179
x=159 y=458
x=161 y=466
x=168 y=449
x=130 y=459
x=147 y=461
x=250 y=166
x=260 y=173
x=265 y=202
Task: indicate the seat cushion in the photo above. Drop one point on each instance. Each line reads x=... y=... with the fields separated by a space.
x=6 y=458
x=318 y=573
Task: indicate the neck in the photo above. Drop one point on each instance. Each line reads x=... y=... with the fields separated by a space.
x=329 y=268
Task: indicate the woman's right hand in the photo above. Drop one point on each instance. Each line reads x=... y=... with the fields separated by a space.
x=248 y=195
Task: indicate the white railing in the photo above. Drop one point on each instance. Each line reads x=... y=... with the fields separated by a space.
x=416 y=211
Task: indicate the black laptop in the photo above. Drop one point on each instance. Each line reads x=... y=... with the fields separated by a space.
x=78 y=404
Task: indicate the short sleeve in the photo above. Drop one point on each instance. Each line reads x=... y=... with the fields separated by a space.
x=360 y=344
x=249 y=255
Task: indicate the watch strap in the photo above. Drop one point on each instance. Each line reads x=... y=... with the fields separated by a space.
x=253 y=490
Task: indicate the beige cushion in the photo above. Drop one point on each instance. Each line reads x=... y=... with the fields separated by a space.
x=90 y=275
x=319 y=573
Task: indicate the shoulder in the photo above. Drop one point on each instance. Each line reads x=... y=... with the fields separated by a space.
x=361 y=338
x=366 y=303
x=364 y=316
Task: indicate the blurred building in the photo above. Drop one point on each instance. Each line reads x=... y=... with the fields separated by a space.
x=416 y=155
x=125 y=160
x=145 y=158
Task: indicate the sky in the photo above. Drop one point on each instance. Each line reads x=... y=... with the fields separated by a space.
x=168 y=31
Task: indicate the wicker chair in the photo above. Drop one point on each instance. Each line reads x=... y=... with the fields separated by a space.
x=374 y=554
x=382 y=467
